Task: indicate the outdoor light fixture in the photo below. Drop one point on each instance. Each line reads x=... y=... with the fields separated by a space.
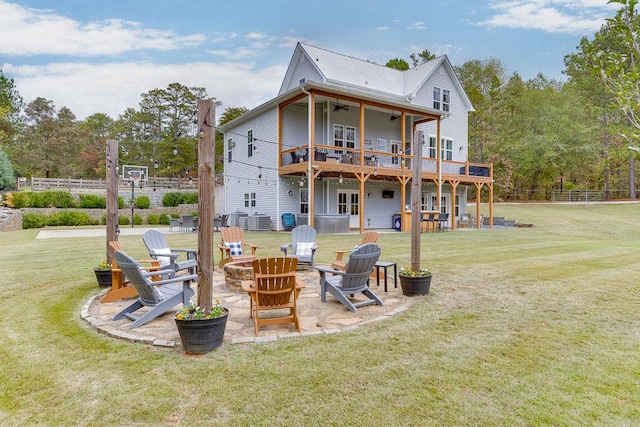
x=201 y=134
x=175 y=150
x=301 y=182
x=375 y=172
x=340 y=180
x=290 y=193
x=156 y=164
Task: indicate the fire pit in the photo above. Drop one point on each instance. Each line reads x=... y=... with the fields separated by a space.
x=237 y=272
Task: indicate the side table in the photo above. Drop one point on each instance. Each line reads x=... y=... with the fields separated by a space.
x=385 y=265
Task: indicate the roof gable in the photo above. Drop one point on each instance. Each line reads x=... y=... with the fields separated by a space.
x=348 y=71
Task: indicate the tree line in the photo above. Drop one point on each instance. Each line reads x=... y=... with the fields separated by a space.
x=540 y=134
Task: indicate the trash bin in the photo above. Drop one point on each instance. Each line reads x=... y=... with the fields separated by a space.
x=397 y=222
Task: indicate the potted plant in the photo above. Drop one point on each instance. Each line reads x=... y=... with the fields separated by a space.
x=201 y=331
x=103 y=274
x=415 y=282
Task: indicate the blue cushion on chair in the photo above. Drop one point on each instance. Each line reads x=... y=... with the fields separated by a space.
x=236 y=248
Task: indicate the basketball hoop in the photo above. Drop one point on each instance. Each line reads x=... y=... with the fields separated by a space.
x=134 y=177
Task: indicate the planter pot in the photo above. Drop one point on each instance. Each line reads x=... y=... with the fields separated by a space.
x=203 y=335
x=415 y=285
x=103 y=276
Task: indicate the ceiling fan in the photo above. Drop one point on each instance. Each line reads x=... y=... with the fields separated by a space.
x=394 y=117
x=339 y=107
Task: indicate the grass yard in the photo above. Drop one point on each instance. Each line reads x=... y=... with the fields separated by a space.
x=528 y=326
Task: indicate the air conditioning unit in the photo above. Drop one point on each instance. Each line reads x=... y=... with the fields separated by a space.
x=259 y=223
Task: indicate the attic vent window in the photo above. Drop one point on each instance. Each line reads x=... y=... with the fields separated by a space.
x=302 y=81
x=441 y=70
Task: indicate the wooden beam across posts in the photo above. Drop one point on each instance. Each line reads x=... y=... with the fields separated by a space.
x=416 y=195
x=206 y=201
x=112 y=195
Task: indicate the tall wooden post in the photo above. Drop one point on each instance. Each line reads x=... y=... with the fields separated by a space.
x=206 y=177
x=416 y=197
x=112 y=195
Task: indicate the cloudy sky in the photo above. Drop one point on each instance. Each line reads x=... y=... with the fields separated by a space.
x=99 y=56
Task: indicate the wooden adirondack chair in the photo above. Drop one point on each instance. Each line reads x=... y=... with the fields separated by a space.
x=233 y=246
x=303 y=244
x=120 y=286
x=275 y=286
x=354 y=280
x=368 y=237
x=159 y=250
x=161 y=296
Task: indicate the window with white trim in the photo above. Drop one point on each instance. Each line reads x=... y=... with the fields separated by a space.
x=436 y=98
x=457 y=206
x=424 y=202
x=441 y=99
x=350 y=136
x=432 y=147
x=304 y=200
x=338 y=137
x=249 y=200
x=446 y=149
x=250 y=143
x=446 y=100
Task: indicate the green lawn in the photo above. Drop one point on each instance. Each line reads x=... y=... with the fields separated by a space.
x=527 y=326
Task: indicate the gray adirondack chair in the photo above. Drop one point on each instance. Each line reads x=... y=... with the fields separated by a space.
x=303 y=244
x=354 y=280
x=168 y=257
x=161 y=295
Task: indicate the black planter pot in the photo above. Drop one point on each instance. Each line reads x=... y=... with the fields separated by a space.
x=103 y=276
x=415 y=285
x=202 y=335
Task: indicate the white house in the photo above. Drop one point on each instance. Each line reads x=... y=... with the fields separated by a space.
x=334 y=146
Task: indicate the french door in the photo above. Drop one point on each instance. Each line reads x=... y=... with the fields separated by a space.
x=349 y=203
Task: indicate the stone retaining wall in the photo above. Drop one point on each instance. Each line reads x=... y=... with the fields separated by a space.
x=10 y=219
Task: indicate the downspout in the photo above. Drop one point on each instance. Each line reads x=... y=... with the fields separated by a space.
x=309 y=154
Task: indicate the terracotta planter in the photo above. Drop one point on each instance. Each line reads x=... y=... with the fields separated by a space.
x=103 y=276
x=202 y=335
x=415 y=285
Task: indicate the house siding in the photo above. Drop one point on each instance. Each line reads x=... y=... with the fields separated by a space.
x=304 y=68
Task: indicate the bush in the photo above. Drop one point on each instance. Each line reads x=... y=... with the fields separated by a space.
x=92 y=201
x=57 y=199
x=153 y=219
x=123 y=220
x=171 y=199
x=120 y=202
x=19 y=199
x=164 y=220
x=33 y=220
x=70 y=218
x=190 y=198
x=137 y=219
x=143 y=202
x=103 y=220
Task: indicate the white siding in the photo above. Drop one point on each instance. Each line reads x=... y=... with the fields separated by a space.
x=303 y=69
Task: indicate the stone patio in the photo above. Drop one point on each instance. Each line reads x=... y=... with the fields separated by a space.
x=316 y=317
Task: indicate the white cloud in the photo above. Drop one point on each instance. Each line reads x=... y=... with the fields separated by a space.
x=383 y=28
x=553 y=16
x=26 y=32
x=417 y=26
x=239 y=53
x=111 y=88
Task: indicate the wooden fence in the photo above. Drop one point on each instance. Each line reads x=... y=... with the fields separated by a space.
x=42 y=184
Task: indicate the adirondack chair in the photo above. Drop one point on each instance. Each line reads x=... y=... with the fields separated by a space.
x=275 y=287
x=161 y=296
x=303 y=244
x=354 y=280
x=233 y=246
x=159 y=249
x=120 y=285
x=368 y=237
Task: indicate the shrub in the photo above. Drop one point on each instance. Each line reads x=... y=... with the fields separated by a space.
x=137 y=219
x=153 y=219
x=33 y=220
x=57 y=199
x=143 y=202
x=92 y=201
x=171 y=199
x=123 y=220
x=70 y=218
x=190 y=198
x=103 y=220
x=120 y=202
x=164 y=220
x=20 y=199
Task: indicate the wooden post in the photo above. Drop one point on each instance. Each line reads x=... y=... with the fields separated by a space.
x=112 y=195
x=206 y=176
x=416 y=197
